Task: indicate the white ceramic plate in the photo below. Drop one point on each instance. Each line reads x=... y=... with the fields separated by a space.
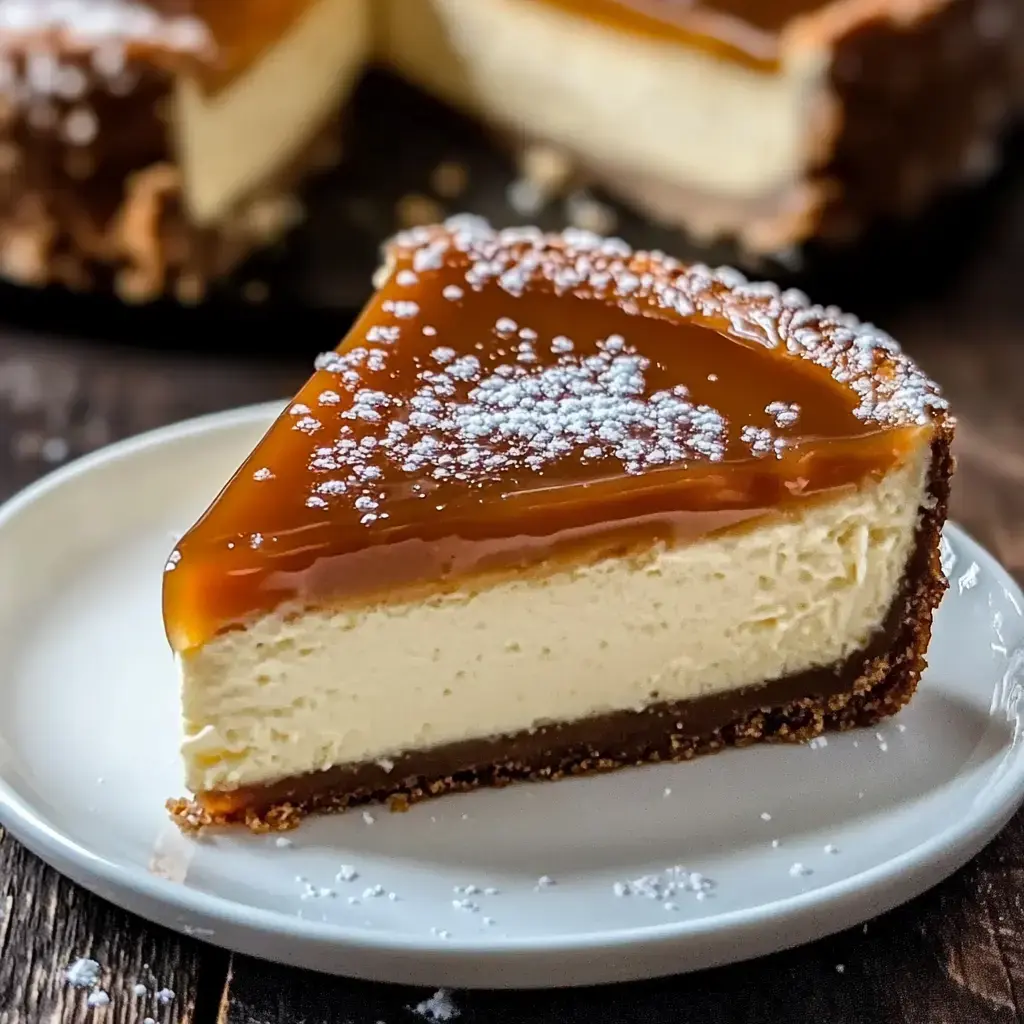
x=88 y=742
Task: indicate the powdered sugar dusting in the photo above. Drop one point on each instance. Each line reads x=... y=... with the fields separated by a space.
x=83 y=973
x=90 y=22
x=438 y=1007
x=472 y=425
x=891 y=389
x=515 y=402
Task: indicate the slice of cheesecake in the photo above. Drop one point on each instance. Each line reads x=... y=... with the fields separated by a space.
x=555 y=506
x=770 y=123
x=149 y=146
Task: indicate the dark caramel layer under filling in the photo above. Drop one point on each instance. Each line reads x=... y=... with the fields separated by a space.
x=510 y=402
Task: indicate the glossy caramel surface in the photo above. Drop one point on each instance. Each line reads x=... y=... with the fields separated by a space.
x=743 y=30
x=511 y=402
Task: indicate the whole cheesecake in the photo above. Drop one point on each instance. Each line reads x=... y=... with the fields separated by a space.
x=553 y=507
x=149 y=145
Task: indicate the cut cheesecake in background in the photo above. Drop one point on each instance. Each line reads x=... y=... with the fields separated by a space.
x=553 y=507
x=149 y=146
x=769 y=122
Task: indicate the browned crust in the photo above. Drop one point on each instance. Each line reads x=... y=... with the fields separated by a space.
x=922 y=93
x=109 y=215
x=885 y=682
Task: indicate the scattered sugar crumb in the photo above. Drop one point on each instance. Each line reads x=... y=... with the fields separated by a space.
x=775 y=844
x=438 y=1007
x=545 y=882
x=590 y=214
x=900 y=727
x=54 y=449
x=525 y=197
x=368 y=818
x=165 y=996
x=666 y=885
x=488 y=920
x=818 y=742
x=668 y=791
x=831 y=848
x=83 y=973
x=765 y=816
x=798 y=870
x=373 y=891
x=346 y=873
x=969 y=580
x=139 y=989
x=492 y=891
x=441 y=933
x=840 y=968
x=283 y=842
x=98 y=998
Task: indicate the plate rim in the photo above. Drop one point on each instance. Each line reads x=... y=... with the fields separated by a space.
x=889 y=883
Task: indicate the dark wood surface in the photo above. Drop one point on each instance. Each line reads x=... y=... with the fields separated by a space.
x=953 y=956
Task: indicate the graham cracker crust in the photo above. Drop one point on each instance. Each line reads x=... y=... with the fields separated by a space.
x=872 y=685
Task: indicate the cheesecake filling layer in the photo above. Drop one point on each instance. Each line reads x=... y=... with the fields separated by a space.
x=235 y=132
x=582 y=83
x=291 y=695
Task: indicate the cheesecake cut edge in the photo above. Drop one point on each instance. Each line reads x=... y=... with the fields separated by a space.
x=872 y=684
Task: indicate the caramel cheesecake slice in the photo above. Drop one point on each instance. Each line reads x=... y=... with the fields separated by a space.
x=769 y=122
x=149 y=146
x=552 y=507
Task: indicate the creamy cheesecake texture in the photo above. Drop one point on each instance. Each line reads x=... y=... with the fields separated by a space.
x=544 y=479
x=232 y=138
x=291 y=695
x=766 y=123
x=675 y=112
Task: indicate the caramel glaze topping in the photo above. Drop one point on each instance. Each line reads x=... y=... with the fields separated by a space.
x=244 y=30
x=515 y=401
x=746 y=31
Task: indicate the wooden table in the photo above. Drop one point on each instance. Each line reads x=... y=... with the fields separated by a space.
x=953 y=956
